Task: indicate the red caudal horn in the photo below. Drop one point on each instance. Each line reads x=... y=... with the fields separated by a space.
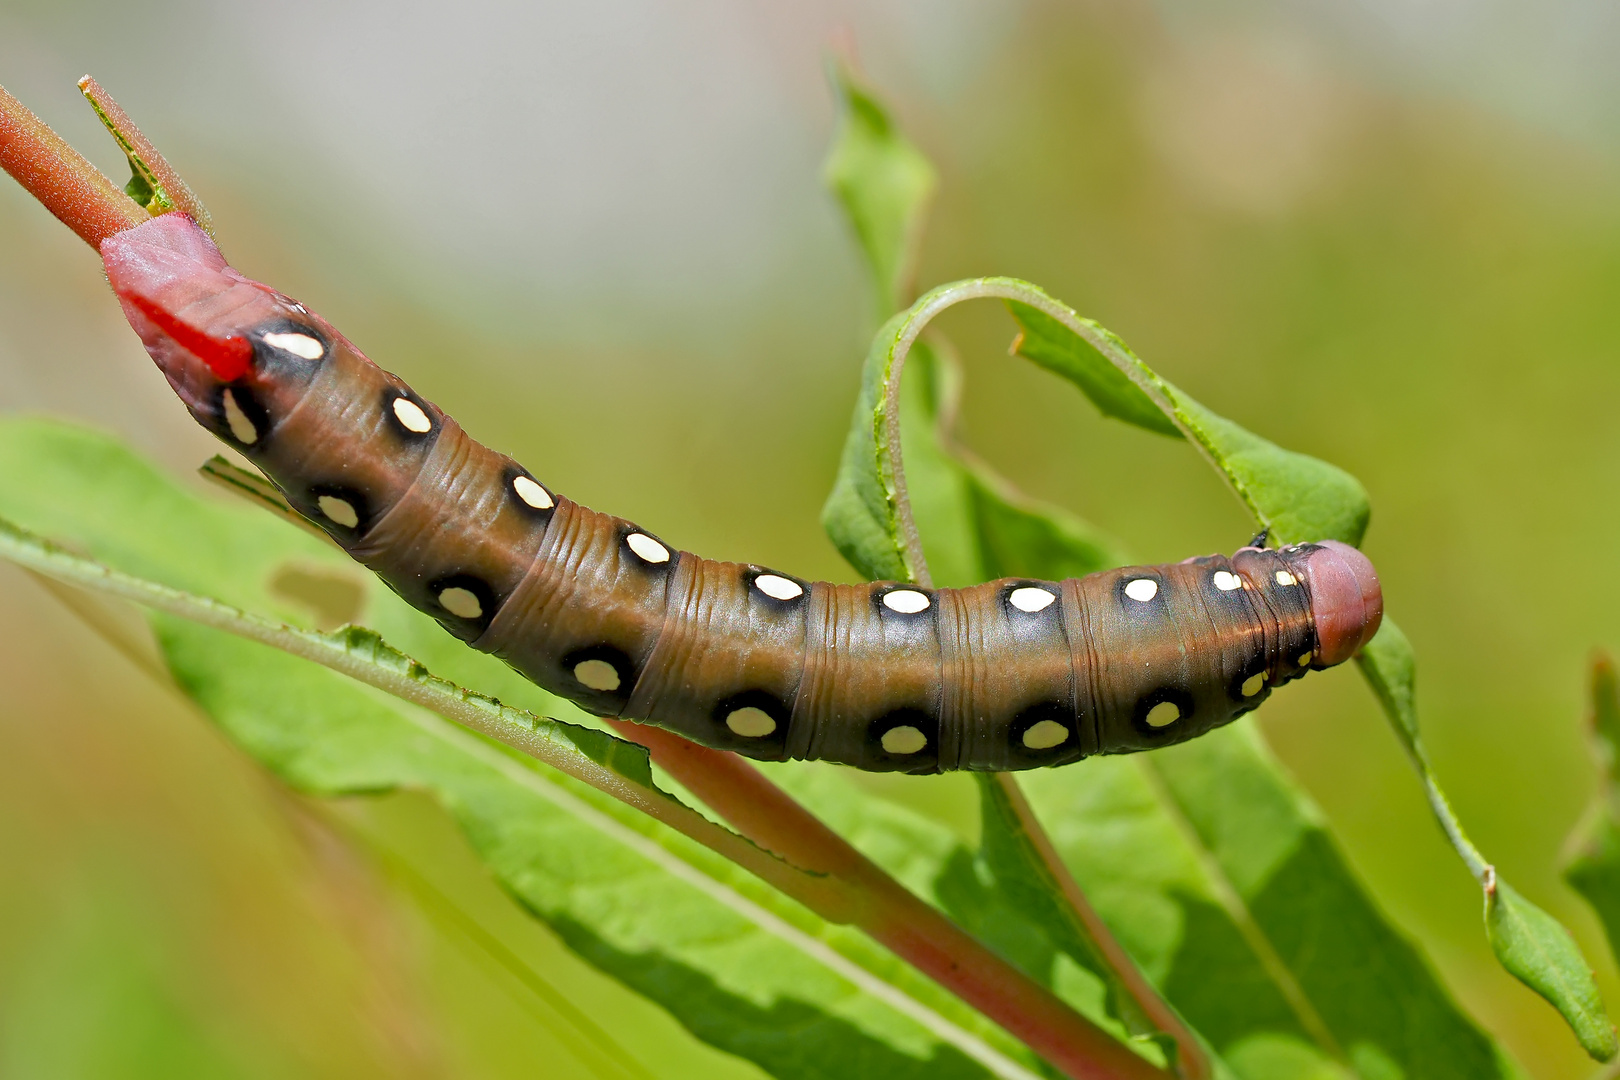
x=229 y=358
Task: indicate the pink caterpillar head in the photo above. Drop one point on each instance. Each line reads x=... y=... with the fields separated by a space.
x=1347 y=603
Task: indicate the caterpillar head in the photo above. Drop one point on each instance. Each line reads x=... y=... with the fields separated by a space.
x=1347 y=603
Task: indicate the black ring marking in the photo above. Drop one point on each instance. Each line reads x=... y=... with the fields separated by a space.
x=392 y=394
x=767 y=703
x=509 y=476
x=1047 y=710
x=468 y=629
x=1144 y=705
x=252 y=410
x=355 y=498
x=753 y=573
x=626 y=530
x=615 y=658
x=887 y=612
x=1130 y=603
x=268 y=356
x=923 y=760
x=1234 y=689
x=1051 y=588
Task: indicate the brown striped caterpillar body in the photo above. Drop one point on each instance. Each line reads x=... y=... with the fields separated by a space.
x=1012 y=674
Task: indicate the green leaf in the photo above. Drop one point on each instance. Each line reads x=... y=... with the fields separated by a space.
x=884 y=183
x=740 y=965
x=1540 y=953
x=1297 y=497
x=862 y=515
x=1047 y=342
x=977 y=526
x=1532 y=945
x=153 y=182
x=1219 y=876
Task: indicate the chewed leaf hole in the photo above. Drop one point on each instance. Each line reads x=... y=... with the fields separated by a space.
x=331 y=597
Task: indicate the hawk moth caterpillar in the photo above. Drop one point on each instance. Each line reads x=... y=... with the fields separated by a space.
x=1007 y=675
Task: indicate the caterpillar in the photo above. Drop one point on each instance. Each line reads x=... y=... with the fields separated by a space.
x=887 y=676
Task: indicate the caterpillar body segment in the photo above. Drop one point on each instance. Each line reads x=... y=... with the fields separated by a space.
x=1011 y=674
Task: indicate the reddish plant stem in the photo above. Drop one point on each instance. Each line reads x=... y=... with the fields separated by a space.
x=60 y=178
x=893 y=916
x=140 y=148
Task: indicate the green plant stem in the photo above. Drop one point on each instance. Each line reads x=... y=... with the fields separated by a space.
x=61 y=178
x=1192 y=1063
x=890 y=913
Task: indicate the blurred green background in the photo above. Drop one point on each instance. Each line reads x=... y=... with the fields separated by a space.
x=1386 y=234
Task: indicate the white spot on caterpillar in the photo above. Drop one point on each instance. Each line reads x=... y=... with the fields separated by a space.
x=1045 y=734
x=339 y=511
x=906 y=602
x=464 y=603
x=597 y=674
x=750 y=723
x=1163 y=714
x=532 y=493
x=904 y=739
x=1285 y=578
x=647 y=548
x=778 y=588
x=1226 y=581
x=1142 y=589
x=1251 y=686
x=1305 y=658
x=242 y=428
x=1029 y=598
x=411 y=416
x=298 y=344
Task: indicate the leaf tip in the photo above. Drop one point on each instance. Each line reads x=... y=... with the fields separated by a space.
x=1537 y=950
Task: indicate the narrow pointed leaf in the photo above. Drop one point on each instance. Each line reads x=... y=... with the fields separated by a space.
x=1533 y=946
x=1298 y=497
x=1540 y=953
